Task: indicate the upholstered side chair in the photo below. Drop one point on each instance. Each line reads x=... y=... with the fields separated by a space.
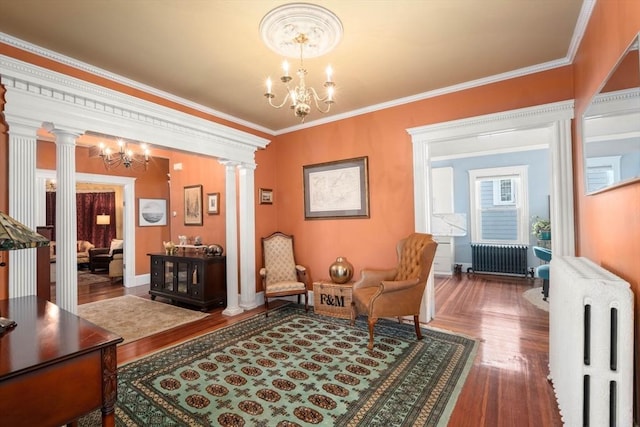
x=398 y=291
x=281 y=275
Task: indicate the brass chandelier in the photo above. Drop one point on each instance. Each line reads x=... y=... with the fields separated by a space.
x=301 y=96
x=301 y=30
x=124 y=156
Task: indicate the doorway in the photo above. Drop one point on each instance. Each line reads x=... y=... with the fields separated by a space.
x=127 y=212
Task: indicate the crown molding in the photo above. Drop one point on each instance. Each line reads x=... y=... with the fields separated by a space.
x=71 y=62
x=35 y=95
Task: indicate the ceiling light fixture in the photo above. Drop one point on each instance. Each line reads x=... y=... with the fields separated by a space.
x=299 y=29
x=124 y=156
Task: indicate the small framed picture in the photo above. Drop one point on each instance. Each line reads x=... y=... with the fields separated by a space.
x=213 y=203
x=266 y=196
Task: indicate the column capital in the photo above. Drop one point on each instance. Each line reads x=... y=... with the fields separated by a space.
x=65 y=136
x=228 y=163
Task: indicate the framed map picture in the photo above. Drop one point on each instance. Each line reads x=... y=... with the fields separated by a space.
x=337 y=189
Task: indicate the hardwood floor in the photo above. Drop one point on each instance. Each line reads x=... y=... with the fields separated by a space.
x=507 y=385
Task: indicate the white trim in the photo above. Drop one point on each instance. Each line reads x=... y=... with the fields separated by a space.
x=555 y=118
x=35 y=92
x=128 y=213
x=522 y=204
x=83 y=66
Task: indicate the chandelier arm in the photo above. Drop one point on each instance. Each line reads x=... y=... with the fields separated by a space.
x=270 y=96
x=317 y=99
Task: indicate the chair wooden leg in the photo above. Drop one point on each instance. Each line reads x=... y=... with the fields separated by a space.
x=266 y=307
x=416 y=321
x=354 y=313
x=306 y=302
x=372 y=324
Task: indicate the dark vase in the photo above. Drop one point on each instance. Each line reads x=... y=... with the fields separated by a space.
x=341 y=271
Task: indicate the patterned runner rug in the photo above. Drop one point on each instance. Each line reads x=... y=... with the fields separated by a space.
x=297 y=369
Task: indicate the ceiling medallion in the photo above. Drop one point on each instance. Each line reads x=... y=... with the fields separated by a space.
x=282 y=25
x=301 y=30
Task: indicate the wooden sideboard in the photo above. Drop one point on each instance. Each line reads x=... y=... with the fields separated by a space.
x=194 y=279
x=54 y=366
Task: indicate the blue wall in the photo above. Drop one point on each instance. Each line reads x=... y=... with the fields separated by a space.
x=539 y=190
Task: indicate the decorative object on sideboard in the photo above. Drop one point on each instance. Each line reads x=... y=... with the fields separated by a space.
x=214 y=250
x=341 y=271
x=170 y=248
x=299 y=29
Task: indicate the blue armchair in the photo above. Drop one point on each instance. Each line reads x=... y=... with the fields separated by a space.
x=542 y=271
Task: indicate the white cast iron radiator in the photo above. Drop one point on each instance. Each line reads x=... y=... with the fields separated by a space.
x=590 y=343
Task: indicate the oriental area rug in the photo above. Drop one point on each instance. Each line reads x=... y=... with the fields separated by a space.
x=297 y=369
x=133 y=317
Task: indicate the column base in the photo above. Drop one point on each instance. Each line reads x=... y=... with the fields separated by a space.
x=232 y=311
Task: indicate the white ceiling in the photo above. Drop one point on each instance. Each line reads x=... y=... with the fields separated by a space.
x=209 y=52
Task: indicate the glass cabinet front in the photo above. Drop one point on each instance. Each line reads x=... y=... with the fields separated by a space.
x=168 y=275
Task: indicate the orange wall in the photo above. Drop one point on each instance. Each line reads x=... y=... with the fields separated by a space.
x=383 y=138
x=608 y=224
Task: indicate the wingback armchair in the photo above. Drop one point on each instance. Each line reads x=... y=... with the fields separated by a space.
x=398 y=291
x=281 y=276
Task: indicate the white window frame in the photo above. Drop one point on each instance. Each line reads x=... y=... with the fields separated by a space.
x=522 y=185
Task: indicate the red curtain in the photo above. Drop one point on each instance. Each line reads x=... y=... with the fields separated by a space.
x=89 y=206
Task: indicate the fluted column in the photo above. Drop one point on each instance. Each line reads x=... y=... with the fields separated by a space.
x=232 y=239
x=247 y=237
x=22 y=206
x=66 y=217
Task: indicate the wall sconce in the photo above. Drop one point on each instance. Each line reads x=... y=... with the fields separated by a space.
x=51 y=185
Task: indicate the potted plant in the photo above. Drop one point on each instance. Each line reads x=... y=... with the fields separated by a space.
x=541 y=228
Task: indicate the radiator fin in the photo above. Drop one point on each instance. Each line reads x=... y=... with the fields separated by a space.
x=499 y=259
x=590 y=343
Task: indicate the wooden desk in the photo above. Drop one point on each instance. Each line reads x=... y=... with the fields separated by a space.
x=54 y=366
